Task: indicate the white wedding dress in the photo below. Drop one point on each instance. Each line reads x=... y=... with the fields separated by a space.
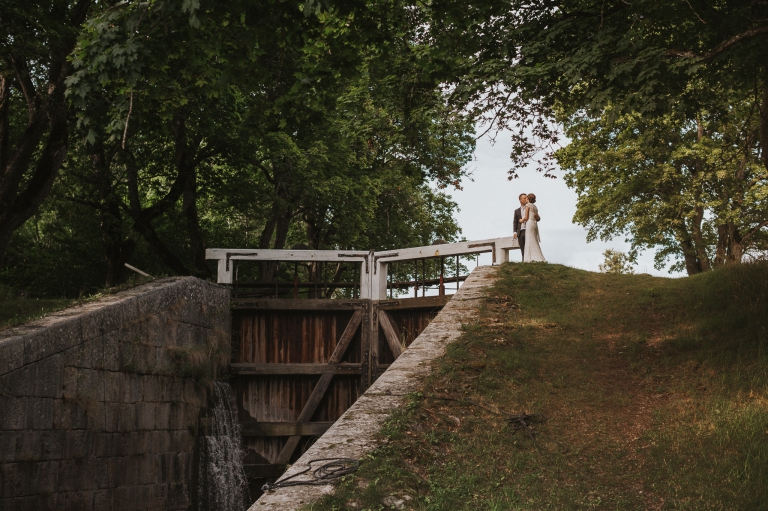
x=532 y=239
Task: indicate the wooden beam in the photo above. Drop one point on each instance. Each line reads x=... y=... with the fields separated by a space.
x=277 y=369
x=284 y=428
x=263 y=471
x=427 y=302
x=322 y=385
x=390 y=333
x=301 y=304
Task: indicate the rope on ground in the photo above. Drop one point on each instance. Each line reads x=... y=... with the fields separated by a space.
x=327 y=473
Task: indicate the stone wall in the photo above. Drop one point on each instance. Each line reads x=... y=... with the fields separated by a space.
x=99 y=403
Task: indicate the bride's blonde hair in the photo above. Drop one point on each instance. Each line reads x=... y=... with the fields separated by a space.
x=531 y=198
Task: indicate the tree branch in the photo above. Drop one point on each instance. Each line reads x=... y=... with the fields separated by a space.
x=720 y=48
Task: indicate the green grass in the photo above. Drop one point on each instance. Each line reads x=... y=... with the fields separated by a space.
x=16 y=311
x=20 y=310
x=655 y=390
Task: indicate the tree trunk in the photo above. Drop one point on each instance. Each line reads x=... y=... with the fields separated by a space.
x=764 y=125
x=46 y=112
x=196 y=238
x=117 y=247
x=698 y=240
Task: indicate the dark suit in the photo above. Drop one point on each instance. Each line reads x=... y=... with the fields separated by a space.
x=520 y=232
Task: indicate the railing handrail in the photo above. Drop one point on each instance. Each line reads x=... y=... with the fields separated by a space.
x=373 y=272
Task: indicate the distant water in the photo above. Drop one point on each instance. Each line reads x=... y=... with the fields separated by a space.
x=222 y=484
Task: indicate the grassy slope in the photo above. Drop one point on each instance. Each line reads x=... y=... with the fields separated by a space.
x=655 y=391
x=16 y=311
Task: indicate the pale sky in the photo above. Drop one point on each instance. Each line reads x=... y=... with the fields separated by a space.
x=487 y=205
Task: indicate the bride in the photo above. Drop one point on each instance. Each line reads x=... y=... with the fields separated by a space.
x=532 y=248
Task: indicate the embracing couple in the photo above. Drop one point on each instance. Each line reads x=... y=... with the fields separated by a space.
x=526 y=229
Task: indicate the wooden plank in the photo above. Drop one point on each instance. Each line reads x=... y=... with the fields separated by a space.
x=427 y=302
x=285 y=369
x=447 y=249
x=346 y=337
x=390 y=333
x=255 y=254
x=284 y=428
x=263 y=471
x=301 y=304
x=322 y=385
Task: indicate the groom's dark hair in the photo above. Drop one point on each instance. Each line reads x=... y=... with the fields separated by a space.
x=518 y=197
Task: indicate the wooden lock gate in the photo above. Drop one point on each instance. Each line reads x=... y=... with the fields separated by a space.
x=301 y=358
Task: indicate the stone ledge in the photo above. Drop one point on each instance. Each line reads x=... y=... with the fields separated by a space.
x=354 y=434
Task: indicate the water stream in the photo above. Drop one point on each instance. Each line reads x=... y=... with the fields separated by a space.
x=222 y=485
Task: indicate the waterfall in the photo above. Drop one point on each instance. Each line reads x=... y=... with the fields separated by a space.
x=222 y=485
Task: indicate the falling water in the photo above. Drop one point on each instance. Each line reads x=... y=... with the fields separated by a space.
x=222 y=484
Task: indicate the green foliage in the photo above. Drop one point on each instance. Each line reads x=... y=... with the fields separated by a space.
x=243 y=125
x=695 y=189
x=616 y=262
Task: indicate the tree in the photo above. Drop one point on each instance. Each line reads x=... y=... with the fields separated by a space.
x=616 y=262
x=34 y=115
x=693 y=188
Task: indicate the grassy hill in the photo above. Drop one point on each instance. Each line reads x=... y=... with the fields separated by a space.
x=654 y=391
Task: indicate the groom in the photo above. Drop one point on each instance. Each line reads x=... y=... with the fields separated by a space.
x=520 y=230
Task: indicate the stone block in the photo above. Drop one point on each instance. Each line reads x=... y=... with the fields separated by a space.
x=49 y=377
x=69 y=414
x=79 y=443
x=95 y=415
x=130 y=471
x=140 y=443
x=90 y=385
x=155 y=328
x=133 y=388
x=8 y=446
x=173 y=388
x=32 y=503
x=154 y=301
x=145 y=415
x=102 y=500
x=178 y=496
x=70 y=377
x=195 y=312
x=41 y=413
x=192 y=415
x=79 y=474
x=162 y=416
x=111 y=417
x=193 y=393
x=149 y=469
x=29 y=446
x=60 y=332
x=127 y=418
x=187 y=336
x=29 y=478
x=80 y=355
x=160 y=442
x=20 y=382
x=158 y=496
x=53 y=444
x=113 y=386
x=177 y=416
x=11 y=353
x=124 y=498
x=181 y=440
x=14 y=412
x=110 y=357
x=153 y=388
x=80 y=500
